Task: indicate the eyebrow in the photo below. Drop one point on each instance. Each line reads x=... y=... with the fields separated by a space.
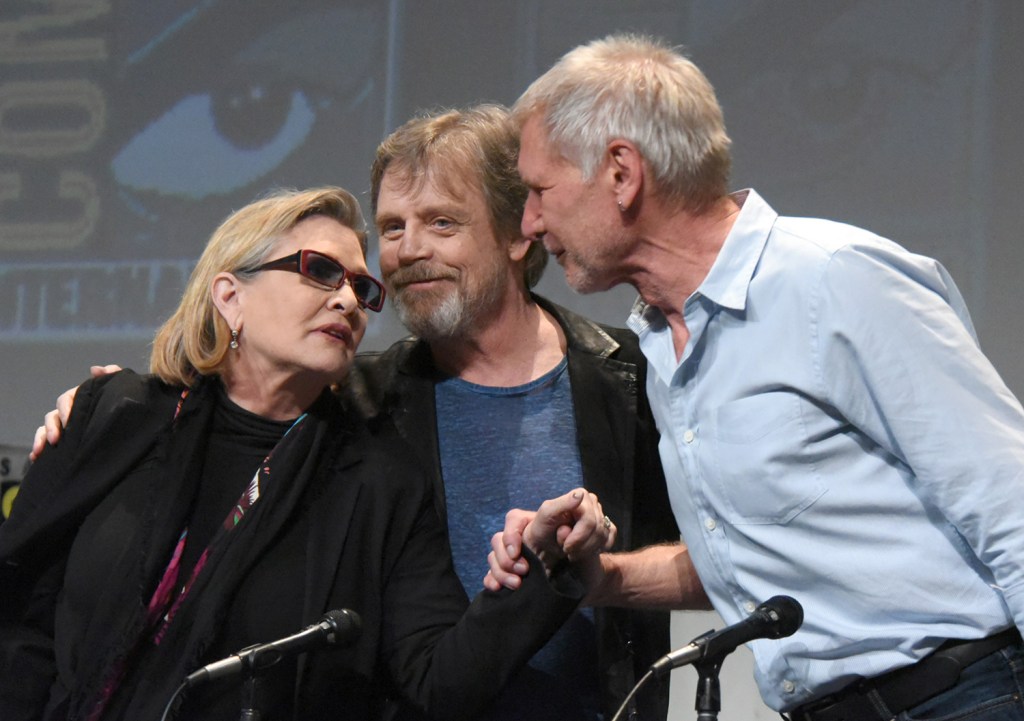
x=452 y=209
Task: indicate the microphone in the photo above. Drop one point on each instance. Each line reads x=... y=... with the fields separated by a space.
x=778 y=617
x=335 y=627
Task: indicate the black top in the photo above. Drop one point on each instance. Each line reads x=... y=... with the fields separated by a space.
x=351 y=525
x=238 y=442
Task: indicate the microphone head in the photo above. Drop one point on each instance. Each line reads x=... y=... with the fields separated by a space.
x=784 y=613
x=344 y=624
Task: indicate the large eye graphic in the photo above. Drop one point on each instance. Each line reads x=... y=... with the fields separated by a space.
x=210 y=144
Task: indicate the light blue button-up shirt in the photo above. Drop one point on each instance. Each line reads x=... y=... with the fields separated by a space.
x=834 y=433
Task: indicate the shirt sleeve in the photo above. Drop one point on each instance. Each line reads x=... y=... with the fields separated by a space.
x=896 y=354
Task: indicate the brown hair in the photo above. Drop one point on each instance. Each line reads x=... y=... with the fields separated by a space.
x=479 y=145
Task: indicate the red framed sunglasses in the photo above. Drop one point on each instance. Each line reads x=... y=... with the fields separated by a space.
x=326 y=271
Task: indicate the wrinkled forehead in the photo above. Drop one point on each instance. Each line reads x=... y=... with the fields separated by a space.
x=448 y=179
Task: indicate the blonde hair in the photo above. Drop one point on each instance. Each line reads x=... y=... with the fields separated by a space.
x=635 y=88
x=455 y=148
x=194 y=340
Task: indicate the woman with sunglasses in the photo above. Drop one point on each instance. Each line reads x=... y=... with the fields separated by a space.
x=231 y=499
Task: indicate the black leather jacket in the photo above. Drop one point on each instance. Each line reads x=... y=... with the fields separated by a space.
x=618 y=445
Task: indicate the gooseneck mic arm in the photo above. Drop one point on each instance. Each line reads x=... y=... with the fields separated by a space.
x=339 y=627
x=778 y=617
x=336 y=627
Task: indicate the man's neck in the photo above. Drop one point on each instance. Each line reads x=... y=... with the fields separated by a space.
x=676 y=251
x=516 y=343
x=674 y=257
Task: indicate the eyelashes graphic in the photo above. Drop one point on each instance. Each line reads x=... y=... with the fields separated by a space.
x=210 y=144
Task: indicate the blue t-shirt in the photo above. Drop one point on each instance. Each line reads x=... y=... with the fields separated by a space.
x=504 y=448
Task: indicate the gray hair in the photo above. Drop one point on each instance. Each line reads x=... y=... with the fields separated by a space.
x=637 y=89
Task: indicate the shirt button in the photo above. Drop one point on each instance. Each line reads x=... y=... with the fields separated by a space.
x=750 y=606
x=709 y=523
x=689 y=435
x=788 y=686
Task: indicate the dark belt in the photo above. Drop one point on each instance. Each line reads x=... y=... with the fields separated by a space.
x=905 y=687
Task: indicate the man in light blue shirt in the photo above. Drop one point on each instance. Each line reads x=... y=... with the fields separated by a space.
x=830 y=428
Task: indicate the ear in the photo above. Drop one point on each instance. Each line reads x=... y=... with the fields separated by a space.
x=518 y=247
x=625 y=169
x=224 y=290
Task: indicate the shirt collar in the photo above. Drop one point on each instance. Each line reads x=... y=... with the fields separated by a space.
x=729 y=278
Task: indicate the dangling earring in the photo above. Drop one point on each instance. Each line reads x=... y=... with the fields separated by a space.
x=622 y=208
x=234 y=339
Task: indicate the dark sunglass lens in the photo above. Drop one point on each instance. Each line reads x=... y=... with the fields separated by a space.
x=324 y=270
x=366 y=290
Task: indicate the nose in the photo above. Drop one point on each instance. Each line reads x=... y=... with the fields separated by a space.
x=533 y=224
x=411 y=246
x=344 y=299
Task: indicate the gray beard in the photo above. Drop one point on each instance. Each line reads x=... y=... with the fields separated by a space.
x=447 y=319
x=458 y=313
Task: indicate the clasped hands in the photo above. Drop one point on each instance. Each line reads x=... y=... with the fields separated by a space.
x=569 y=528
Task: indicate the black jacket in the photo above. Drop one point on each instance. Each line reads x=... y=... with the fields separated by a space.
x=353 y=527
x=618 y=445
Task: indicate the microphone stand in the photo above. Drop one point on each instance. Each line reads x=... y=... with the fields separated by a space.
x=709 y=692
x=250 y=697
x=254 y=661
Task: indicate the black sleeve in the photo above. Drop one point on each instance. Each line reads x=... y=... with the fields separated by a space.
x=27 y=662
x=34 y=543
x=653 y=520
x=451 y=664
x=54 y=498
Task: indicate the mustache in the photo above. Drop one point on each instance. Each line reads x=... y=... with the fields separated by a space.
x=419 y=272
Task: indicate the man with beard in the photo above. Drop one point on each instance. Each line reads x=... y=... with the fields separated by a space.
x=511 y=399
